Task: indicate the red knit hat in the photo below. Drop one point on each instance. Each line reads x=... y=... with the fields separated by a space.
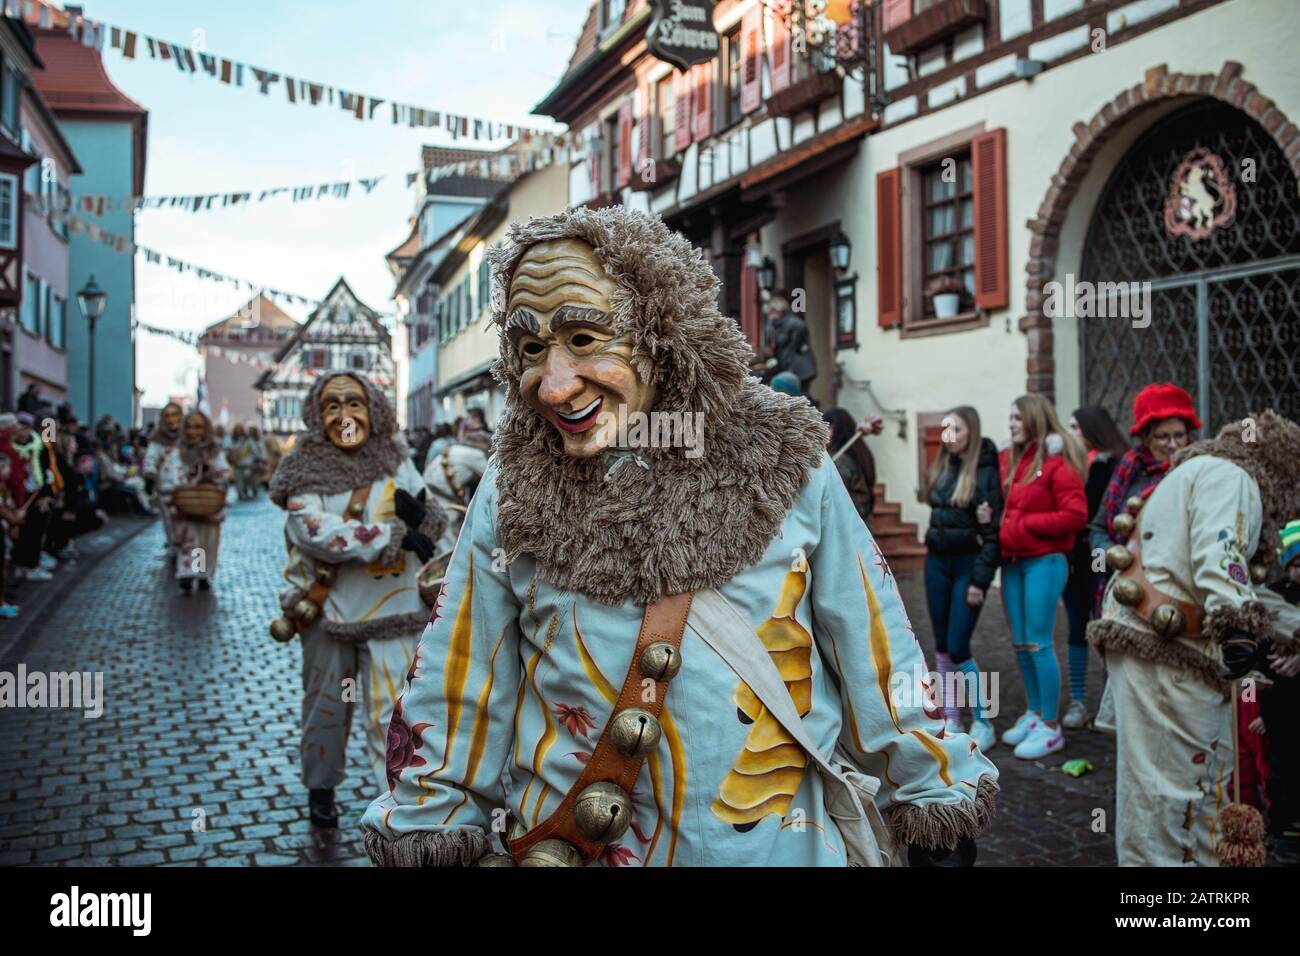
x=1162 y=401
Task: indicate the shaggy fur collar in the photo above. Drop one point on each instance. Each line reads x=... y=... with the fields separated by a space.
x=607 y=527
x=1272 y=458
x=317 y=466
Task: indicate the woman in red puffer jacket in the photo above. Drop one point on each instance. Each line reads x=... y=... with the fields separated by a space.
x=1042 y=480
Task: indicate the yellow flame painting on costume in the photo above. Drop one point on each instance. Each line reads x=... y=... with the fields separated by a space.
x=385 y=511
x=768 y=771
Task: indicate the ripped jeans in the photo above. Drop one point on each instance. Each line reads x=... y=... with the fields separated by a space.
x=1031 y=588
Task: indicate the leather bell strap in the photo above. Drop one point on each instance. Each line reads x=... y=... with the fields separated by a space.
x=1153 y=597
x=319 y=590
x=664 y=621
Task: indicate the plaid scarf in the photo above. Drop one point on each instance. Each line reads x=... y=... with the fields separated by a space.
x=1137 y=473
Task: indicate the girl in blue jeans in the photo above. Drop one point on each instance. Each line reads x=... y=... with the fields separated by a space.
x=961 y=559
x=1045 y=508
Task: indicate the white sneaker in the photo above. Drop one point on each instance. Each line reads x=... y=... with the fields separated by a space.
x=38 y=574
x=1020 y=729
x=48 y=563
x=1076 y=715
x=981 y=731
x=1042 y=740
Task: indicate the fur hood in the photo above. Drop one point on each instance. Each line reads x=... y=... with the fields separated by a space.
x=623 y=525
x=317 y=466
x=1266 y=447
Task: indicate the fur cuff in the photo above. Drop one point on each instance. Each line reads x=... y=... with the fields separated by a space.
x=1108 y=635
x=459 y=847
x=392 y=553
x=1251 y=618
x=944 y=825
x=377 y=628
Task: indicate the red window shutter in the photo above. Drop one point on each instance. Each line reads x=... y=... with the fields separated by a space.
x=682 y=110
x=751 y=77
x=779 y=55
x=594 y=153
x=896 y=12
x=889 y=247
x=989 y=171
x=703 y=101
x=625 y=142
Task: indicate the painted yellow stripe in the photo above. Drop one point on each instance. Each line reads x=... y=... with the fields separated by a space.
x=528 y=679
x=456 y=670
x=879 y=641
x=936 y=751
x=853 y=717
x=678 y=754
x=479 y=734
x=384 y=600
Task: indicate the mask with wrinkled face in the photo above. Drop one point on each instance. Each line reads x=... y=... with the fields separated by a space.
x=345 y=412
x=577 y=371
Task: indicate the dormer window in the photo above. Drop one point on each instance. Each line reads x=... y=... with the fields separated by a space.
x=611 y=14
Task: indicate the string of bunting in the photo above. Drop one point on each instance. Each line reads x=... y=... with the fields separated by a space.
x=132 y=43
x=503 y=166
x=97 y=204
x=238 y=357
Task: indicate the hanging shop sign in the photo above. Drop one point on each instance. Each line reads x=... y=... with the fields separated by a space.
x=681 y=32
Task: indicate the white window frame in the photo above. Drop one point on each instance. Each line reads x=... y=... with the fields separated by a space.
x=9 y=236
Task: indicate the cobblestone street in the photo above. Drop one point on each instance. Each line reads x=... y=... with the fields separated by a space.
x=201 y=720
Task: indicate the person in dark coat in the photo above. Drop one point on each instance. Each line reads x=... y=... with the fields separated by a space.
x=1105 y=445
x=856 y=466
x=961 y=560
x=788 y=343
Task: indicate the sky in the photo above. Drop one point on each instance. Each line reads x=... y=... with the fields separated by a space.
x=489 y=58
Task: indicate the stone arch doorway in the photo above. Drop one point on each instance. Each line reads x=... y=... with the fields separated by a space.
x=1262 y=129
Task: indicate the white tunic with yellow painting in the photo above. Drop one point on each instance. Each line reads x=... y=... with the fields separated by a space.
x=366 y=590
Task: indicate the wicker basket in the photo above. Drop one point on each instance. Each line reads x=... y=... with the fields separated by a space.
x=199 y=501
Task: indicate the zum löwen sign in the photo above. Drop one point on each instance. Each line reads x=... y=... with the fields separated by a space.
x=682 y=33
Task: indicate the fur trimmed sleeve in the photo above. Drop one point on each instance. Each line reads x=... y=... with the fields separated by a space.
x=459 y=847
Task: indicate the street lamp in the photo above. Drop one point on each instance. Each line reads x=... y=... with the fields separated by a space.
x=767 y=275
x=840 y=251
x=92 y=300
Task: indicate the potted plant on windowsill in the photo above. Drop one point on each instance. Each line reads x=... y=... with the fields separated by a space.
x=945 y=296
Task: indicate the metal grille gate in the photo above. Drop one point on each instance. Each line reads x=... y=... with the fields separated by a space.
x=1225 y=309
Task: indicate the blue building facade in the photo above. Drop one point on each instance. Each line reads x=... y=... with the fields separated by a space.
x=107 y=130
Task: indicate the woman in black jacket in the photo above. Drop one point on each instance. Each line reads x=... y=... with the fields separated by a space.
x=961 y=559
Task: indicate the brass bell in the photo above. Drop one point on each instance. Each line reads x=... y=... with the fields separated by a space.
x=326 y=573
x=1128 y=592
x=495 y=859
x=602 y=812
x=357 y=509
x=1259 y=573
x=635 y=732
x=661 y=661
x=552 y=853
x=1118 y=557
x=306 y=611
x=1168 y=620
x=1124 y=523
x=1134 y=504
x=282 y=629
